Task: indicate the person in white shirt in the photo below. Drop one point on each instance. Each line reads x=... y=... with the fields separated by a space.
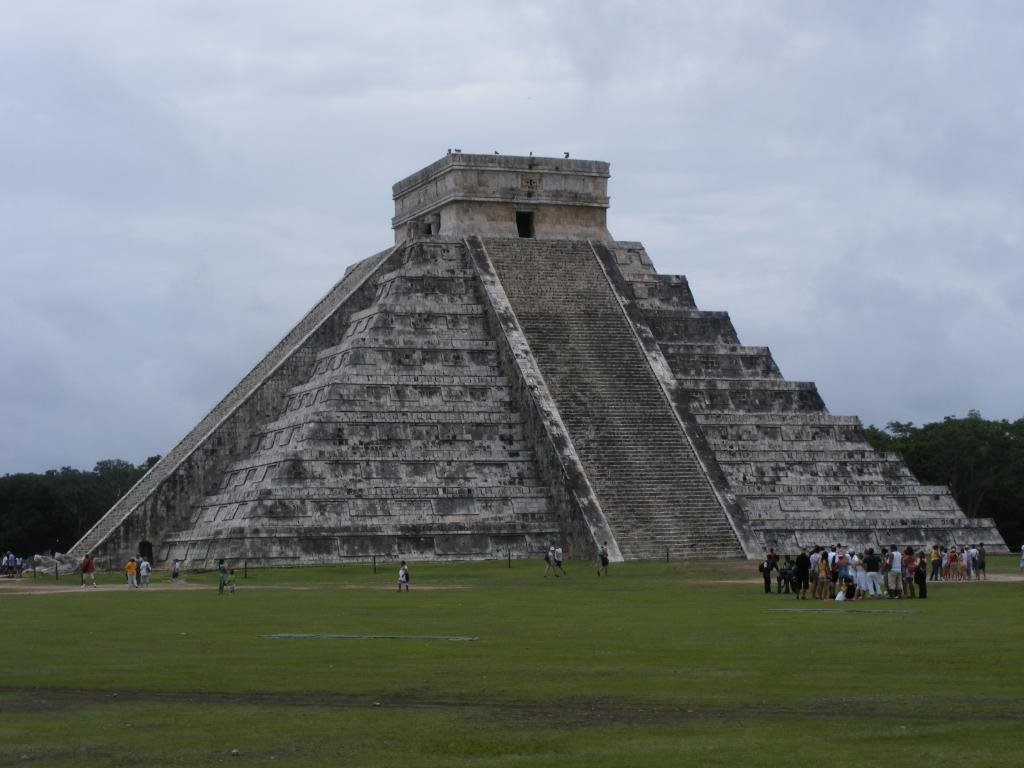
x=972 y=562
x=558 y=560
x=895 y=562
x=144 y=570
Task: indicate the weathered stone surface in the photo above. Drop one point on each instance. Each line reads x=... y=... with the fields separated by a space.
x=507 y=377
x=800 y=475
x=402 y=441
x=482 y=194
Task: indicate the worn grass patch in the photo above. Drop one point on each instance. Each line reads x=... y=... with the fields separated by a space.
x=660 y=664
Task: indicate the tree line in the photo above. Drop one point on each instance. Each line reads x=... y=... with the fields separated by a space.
x=980 y=461
x=51 y=510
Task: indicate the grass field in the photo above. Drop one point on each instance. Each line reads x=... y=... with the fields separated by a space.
x=681 y=664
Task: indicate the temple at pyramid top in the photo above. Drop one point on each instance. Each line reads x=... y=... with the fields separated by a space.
x=503 y=196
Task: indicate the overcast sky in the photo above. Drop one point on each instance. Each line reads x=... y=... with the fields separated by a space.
x=181 y=181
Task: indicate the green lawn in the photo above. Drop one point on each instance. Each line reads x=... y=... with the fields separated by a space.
x=681 y=664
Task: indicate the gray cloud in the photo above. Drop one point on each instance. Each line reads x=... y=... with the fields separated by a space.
x=180 y=181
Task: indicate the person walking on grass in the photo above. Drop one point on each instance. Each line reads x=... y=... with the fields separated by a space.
x=549 y=559
x=175 y=570
x=403 y=577
x=88 y=570
x=980 y=567
x=130 y=571
x=558 y=560
x=144 y=570
x=603 y=555
x=222 y=577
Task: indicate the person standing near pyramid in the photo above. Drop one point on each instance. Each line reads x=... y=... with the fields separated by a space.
x=222 y=577
x=88 y=570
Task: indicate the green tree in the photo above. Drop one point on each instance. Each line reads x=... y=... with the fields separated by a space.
x=980 y=461
x=40 y=512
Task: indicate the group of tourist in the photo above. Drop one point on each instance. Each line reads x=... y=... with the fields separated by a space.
x=11 y=565
x=137 y=572
x=838 y=573
x=553 y=560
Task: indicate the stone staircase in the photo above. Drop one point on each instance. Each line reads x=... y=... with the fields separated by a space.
x=650 y=485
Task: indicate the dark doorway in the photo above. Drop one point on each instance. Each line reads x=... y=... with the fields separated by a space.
x=524 y=223
x=146 y=550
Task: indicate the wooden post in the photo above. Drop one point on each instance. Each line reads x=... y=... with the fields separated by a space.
x=510 y=558
x=245 y=569
x=374 y=563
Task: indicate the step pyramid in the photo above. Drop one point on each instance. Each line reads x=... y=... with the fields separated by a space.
x=508 y=377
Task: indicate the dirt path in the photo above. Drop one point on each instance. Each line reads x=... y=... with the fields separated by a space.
x=42 y=587
x=563 y=712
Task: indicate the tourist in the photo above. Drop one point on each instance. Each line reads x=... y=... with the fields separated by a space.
x=558 y=560
x=175 y=570
x=1022 y=559
x=144 y=570
x=88 y=570
x=965 y=564
x=549 y=559
x=981 y=561
x=824 y=577
x=909 y=563
x=222 y=576
x=936 y=562
x=765 y=569
x=833 y=570
x=231 y=581
x=860 y=576
x=784 y=575
x=403 y=577
x=921 y=577
x=603 y=555
x=872 y=569
x=130 y=569
x=801 y=574
x=895 y=563
x=812 y=570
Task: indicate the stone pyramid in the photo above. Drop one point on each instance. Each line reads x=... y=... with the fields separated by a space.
x=509 y=376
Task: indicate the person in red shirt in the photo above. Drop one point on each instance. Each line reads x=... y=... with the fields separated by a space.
x=88 y=570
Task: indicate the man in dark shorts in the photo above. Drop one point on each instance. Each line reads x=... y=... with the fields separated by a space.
x=980 y=564
x=604 y=560
x=802 y=574
x=765 y=569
